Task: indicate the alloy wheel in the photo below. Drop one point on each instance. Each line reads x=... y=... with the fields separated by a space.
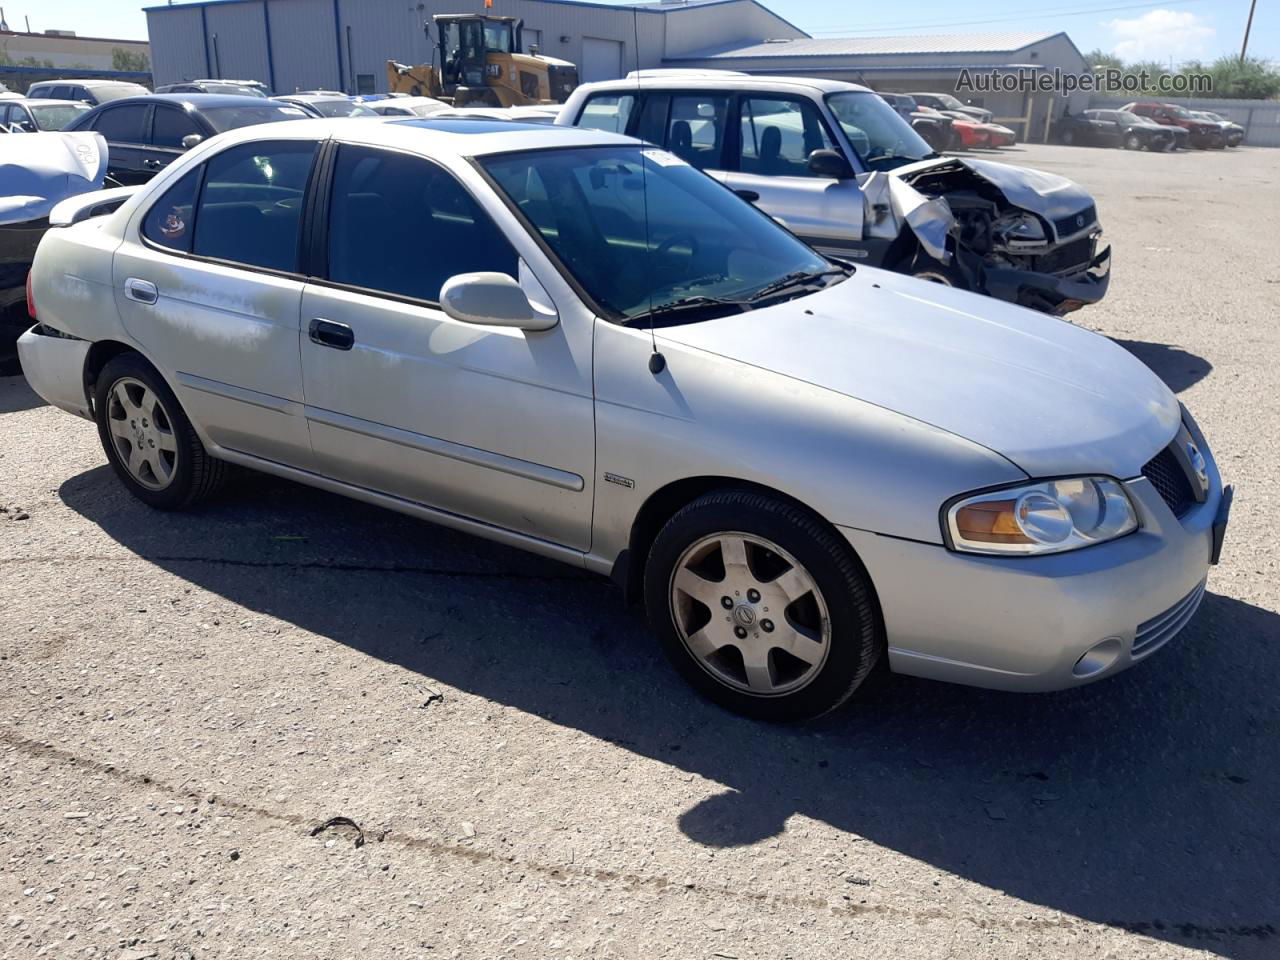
x=750 y=614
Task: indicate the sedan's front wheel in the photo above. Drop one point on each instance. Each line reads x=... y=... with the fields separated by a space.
x=761 y=606
x=148 y=439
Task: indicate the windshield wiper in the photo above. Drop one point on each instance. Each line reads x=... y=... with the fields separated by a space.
x=690 y=306
x=801 y=279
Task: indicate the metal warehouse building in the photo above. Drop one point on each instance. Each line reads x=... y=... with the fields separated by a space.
x=345 y=44
x=918 y=63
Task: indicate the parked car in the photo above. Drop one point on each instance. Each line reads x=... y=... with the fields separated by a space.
x=934 y=128
x=34 y=116
x=980 y=493
x=7 y=94
x=843 y=170
x=945 y=102
x=1231 y=131
x=146 y=134
x=981 y=134
x=408 y=107
x=36 y=173
x=92 y=92
x=1203 y=134
x=1115 y=128
x=326 y=105
x=235 y=88
x=532 y=113
x=966 y=132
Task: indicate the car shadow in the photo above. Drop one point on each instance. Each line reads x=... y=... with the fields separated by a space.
x=16 y=394
x=1178 y=368
x=1146 y=801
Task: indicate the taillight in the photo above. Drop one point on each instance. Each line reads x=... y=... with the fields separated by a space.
x=31 y=300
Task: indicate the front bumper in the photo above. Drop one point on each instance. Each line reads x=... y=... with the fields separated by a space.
x=1045 y=623
x=1050 y=292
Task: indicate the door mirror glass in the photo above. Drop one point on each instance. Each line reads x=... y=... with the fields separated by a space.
x=830 y=164
x=492 y=299
x=191 y=140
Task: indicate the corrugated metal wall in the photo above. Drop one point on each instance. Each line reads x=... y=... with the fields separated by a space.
x=305 y=39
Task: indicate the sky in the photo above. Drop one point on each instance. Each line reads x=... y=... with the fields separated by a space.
x=1171 y=30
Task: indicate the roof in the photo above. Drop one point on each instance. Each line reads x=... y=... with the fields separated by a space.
x=85 y=81
x=45 y=102
x=1005 y=42
x=724 y=80
x=201 y=101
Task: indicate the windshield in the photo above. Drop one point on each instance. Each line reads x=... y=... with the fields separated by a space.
x=228 y=118
x=876 y=131
x=639 y=228
x=56 y=117
x=342 y=108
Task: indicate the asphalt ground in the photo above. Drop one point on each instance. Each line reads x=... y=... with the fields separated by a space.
x=185 y=697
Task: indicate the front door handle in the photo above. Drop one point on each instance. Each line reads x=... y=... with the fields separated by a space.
x=748 y=195
x=328 y=333
x=153 y=164
x=141 y=291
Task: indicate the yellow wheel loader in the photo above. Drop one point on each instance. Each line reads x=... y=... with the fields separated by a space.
x=477 y=61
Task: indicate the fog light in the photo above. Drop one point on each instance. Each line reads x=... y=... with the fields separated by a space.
x=1098 y=657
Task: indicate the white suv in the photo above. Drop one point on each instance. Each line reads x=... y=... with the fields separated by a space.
x=847 y=174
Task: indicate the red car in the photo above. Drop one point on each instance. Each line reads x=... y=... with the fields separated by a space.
x=1204 y=133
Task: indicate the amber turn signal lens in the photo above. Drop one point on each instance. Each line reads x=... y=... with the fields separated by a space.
x=990 y=521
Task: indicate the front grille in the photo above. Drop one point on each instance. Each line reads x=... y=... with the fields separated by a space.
x=1067 y=226
x=1158 y=631
x=1069 y=258
x=1171 y=481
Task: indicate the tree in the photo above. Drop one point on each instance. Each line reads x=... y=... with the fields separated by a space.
x=1254 y=79
x=122 y=59
x=1100 y=60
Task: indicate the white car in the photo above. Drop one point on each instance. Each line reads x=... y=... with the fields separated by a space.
x=407 y=106
x=577 y=344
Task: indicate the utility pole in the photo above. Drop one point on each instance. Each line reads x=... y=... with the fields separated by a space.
x=1247 y=27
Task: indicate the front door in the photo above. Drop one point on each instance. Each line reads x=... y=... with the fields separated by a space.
x=213 y=297
x=169 y=125
x=489 y=423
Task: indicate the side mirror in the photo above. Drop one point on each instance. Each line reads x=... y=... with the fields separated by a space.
x=830 y=164
x=492 y=299
x=191 y=140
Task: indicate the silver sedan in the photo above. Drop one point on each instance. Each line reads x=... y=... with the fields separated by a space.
x=576 y=344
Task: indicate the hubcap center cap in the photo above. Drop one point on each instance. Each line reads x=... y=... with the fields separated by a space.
x=744 y=615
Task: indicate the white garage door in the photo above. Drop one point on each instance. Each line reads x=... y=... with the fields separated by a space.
x=601 y=60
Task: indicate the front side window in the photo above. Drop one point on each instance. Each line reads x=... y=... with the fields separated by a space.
x=608 y=112
x=251 y=204
x=642 y=231
x=696 y=128
x=123 y=124
x=170 y=220
x=403 y=225
x=778 y=135
x=877 y=132
x=170 y=126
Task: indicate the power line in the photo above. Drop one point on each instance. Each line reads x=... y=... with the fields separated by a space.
x=1062 y=12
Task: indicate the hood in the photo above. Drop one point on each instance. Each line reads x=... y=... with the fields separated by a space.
x=1051 y=397
x=37 y=170
x=1047 y=194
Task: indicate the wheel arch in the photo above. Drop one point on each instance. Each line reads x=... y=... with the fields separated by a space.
x=100 y=354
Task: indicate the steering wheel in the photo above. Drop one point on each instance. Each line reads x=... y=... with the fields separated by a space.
x=666 y=246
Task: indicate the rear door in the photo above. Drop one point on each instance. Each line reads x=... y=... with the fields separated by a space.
x=209 y=282
x=125 y=127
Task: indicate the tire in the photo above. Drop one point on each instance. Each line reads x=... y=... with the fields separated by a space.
x=732 y=653
x=1133 y=142
x=1068 y=136
x=136 y=411
x=924 y=267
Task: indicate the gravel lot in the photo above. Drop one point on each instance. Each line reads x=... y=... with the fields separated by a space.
x=184 y=697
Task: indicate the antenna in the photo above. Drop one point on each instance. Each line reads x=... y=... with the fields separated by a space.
x=657 y=362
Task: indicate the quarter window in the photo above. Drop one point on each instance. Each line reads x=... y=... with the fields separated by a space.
x=402 y=225
x=609 y=113
x=169 y=222
x=695 y=129
x=122 y=124
x=779 y=135
x=251 y=204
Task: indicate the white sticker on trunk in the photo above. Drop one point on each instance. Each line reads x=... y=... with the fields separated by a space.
x=664 y=159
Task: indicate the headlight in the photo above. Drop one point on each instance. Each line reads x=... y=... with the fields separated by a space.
x=1019 y=228
x=1046 y=517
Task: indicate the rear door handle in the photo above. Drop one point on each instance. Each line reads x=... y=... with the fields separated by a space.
x=328 y=333
x=142 y=291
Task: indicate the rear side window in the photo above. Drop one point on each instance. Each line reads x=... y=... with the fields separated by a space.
x=251 y=205
x=170 y=126
x=122 y=124
x=608 y=112
x=170 y=220
x=696 y=128
x=402 y=225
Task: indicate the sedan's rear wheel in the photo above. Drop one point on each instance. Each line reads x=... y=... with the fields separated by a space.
x=148 y=439
x=761 y=606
